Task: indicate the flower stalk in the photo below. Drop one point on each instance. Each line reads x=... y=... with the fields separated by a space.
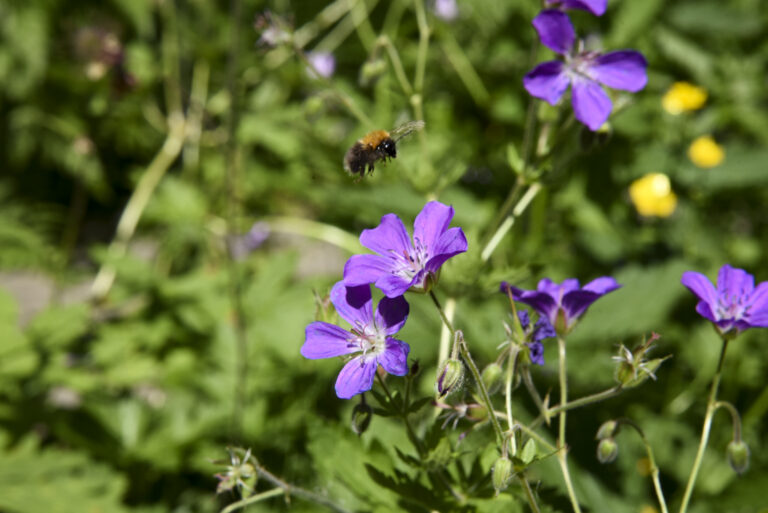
x=562 y=453
x=705 y=429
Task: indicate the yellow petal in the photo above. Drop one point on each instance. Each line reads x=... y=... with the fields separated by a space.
x=683 y=97
x=705 y=152
x=652 y=195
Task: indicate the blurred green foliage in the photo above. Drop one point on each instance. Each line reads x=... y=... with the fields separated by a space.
x=122 y=404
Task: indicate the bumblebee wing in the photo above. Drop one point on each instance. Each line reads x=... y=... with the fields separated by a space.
x=406 y=129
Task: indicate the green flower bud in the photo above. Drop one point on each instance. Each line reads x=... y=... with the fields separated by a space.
x=501 y=474
x=607 y=450
x=607 y=430
x=361 y=418
x=493 y=377
x=450 y=377
x=738 y=456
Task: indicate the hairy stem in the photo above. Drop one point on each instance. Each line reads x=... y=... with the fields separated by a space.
x=467 y=357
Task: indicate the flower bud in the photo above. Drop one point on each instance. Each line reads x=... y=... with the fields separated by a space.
x=607 y=430
x=450 y=377
x=738 y=456
x=607 y=450
x=361 y=418
x=501 y=474
x=492 y=377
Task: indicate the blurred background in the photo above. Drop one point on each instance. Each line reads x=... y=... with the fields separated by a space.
x=173 y=210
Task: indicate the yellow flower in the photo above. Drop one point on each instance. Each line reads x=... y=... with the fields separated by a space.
x=705 y=152
x=682 y=97
x=652 y=195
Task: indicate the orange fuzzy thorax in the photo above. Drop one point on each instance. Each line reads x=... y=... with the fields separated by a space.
x=373 y=139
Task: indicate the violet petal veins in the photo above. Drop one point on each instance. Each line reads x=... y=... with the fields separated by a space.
x=369 y=340
x=586 y=71
x=401 y=264
x=735 y=305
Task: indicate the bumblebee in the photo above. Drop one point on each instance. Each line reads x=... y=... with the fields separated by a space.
x=375 y=146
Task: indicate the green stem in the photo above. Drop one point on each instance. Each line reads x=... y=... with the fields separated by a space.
x=253 y=499
x=734 y=418
x=529 y=493
x=467 y=357
x=397 y=64
x=654 y=467
x=704 y=429
x=511 y=363
x=562 y=454
x=509 y=220
x=583 y=401
x=292 y=490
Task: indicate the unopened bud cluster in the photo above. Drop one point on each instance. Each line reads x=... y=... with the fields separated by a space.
x=607 y=448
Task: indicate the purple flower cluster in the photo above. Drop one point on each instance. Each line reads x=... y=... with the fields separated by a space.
x=535 y=334
x=585 y=71
x=400 y=264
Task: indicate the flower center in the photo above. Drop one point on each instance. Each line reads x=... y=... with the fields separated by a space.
x=731 y=307
x=579 y=64
x=409 y=264
x=368 y=339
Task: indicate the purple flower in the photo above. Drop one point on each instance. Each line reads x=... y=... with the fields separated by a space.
x=536 y=333
x=596 y=7
x=583 y=70
x=735 y=305
x=400 y=265
x=446 y=10
x=562 y=305
x=322 y=63
x=370 y=338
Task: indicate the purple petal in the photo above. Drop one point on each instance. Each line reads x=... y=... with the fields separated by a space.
x=576 y=302
x=596 y=7
x=734 y=283
x=393 y=285
x=391 y=314
x=623 y=70
x=325 y=340
x=525 y=320
x=547 y=81
x=556 y=291
x=704 y=290
x=590 y=103
x=536 y=352
x=602 y=285
x=390 y=236
x=431 y=222
x=700 y=286
x=450 y=244
x=353 y=304
x=364 y=269
x=542 y=329
x=356 y=377
x=539 y=301
x=394 y=359
x=758 y=308
x=555 y=30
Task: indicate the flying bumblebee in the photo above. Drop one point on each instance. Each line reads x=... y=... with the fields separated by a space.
x=375 y=146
